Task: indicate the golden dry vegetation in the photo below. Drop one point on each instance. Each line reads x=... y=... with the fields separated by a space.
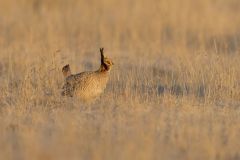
x=174 y=92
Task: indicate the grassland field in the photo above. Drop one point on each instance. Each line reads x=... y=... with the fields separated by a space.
x=173 y=93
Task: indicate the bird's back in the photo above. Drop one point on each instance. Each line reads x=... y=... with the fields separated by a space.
x=87 y=85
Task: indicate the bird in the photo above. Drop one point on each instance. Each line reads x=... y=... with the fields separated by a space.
x=87 y=85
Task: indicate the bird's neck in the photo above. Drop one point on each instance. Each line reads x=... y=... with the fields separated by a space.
x=104 y=68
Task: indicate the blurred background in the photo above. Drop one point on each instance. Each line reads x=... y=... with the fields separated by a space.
x=146 y=27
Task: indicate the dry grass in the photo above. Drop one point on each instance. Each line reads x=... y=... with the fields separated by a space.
x=174 y=91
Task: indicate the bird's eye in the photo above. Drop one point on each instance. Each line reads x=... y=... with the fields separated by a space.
x=107 y=62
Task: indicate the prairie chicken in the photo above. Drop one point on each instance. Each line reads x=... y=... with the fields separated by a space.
x=87 y=85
